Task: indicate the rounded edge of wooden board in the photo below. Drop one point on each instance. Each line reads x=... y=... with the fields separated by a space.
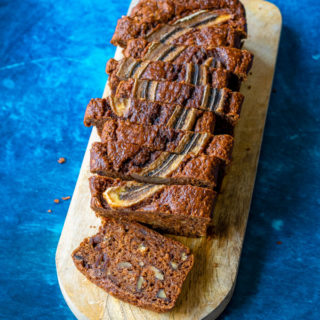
x=212 y=314
x=223 y=304
x=71 y=305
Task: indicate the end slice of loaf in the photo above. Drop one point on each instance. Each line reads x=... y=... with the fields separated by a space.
x=135 y=264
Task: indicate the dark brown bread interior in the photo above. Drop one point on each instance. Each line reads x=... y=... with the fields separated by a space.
x=135 y=264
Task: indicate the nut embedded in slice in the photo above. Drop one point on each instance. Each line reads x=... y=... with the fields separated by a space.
x=157 y=273
x=124 y=265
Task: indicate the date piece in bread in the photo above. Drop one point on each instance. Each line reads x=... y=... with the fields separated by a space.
x=148 y=16
x=176 y=209
x=132 y=162
x=135 y=264
x=165 y=71
x=148 y=113
x=232 y=59
x=225 y=103
x=157 y=138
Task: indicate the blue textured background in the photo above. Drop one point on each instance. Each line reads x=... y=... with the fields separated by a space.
x=53 y=55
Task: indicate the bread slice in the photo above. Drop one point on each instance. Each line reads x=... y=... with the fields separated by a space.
x=225 y=103
x=149 y=16
x=232 y=59
x=158 y=138
x=203 y=28
x=177 y=209
x=188 y=73
x=148 y=113
x=135 y=264
x=133 y=162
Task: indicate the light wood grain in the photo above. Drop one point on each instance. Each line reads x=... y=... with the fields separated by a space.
x=210 y=285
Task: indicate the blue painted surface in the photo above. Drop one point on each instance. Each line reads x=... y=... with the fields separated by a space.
x=53 y=55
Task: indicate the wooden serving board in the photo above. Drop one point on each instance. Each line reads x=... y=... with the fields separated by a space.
x=210 y=285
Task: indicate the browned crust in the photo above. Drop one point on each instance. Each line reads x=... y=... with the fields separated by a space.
x=166 y=71
x=177 y=93
x=127 y=161
x=159 y=138
x=99 y=256
x=177 y=209
x=147 y=15
x=232 y=59
x=143 y=112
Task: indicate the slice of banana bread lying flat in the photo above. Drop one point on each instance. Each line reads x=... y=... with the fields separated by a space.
x=135 y=264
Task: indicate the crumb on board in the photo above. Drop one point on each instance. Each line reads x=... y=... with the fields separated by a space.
x=249 y=87
x=279 y=242
x=66 y=198
x=56 y=200
x=274 y=90
x=62 y=160
x=49 y=210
